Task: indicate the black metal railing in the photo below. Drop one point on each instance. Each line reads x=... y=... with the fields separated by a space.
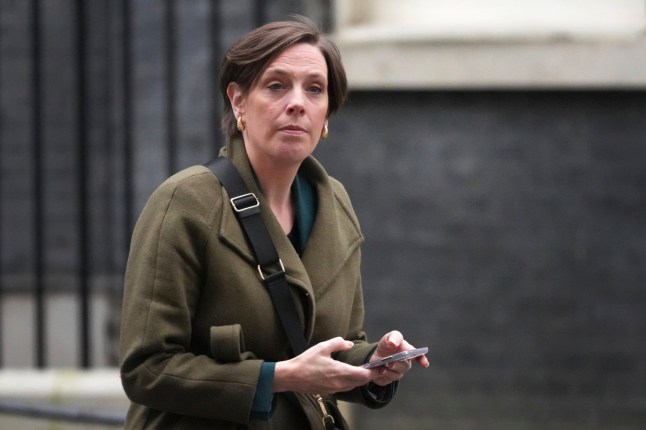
x=38 y=213
x=101 y=41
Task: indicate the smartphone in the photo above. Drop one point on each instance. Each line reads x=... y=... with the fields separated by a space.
x=404 y=355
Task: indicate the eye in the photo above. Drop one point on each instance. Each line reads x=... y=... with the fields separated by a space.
x=275 y=86
x=316 y=89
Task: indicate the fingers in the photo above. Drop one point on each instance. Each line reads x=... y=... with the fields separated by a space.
x=335 y=344
x=392 y=343
x=423 y=361
x=392 y=340
x=315 y=371
x=392 y=372
x=342 y=377
x=339 y=376
x=389 y=344
x=401 y=366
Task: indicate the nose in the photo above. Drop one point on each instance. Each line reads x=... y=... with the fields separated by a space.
x=296 y=103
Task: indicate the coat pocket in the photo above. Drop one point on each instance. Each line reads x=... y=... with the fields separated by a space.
x=227 y=344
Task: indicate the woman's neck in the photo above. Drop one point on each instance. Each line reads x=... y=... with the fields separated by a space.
x=276 y=184
x=282 y=206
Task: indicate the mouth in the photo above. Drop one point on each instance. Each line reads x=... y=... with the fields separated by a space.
x=293 y=129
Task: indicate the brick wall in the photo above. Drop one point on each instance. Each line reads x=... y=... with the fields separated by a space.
x=505 y=231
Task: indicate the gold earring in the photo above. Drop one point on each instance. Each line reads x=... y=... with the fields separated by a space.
x=241 y=125
x=324 y=132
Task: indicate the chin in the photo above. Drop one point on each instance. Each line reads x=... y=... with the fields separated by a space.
x=295 y=153
x=291 y=157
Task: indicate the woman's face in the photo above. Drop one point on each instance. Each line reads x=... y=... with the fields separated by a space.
x=286 y=109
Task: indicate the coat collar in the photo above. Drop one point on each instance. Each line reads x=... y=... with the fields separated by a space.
x=334 y=238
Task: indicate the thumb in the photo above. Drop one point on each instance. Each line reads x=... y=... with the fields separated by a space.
x=336 y=344
x=389 y=344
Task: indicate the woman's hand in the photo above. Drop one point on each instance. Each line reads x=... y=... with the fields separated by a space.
x=316 y=372
x=392 y=343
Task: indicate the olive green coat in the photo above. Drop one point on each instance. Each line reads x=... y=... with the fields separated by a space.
x=197 y=321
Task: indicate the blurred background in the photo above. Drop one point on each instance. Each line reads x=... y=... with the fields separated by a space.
x=495 y=152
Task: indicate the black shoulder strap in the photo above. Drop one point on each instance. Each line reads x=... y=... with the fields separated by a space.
x=270 y=268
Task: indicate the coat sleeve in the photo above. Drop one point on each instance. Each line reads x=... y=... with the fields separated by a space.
x=163 y=278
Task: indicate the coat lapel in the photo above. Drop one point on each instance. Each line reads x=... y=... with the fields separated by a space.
x=231 y=232
x=334 y=237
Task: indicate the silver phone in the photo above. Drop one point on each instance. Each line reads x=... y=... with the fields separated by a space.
x=404 y=355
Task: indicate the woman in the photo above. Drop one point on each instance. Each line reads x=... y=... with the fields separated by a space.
x=201 y=344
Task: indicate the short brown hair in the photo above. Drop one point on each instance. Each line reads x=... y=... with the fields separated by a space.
x=245 y=61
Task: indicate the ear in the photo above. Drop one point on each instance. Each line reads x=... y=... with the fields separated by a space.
x=236 y=98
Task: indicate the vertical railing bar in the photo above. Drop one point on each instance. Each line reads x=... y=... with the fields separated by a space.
x=82 y=181
x=108 y=119
x=215 y=23
x=128 y=101
x=170 y=22
x=327 y=16
x=39 y=204
x=260 y=12
x=1 y=194
x=111 y=11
